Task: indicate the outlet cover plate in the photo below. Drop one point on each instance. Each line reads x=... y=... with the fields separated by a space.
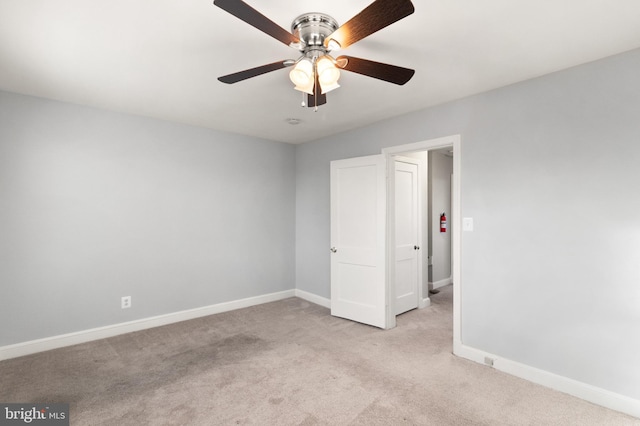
x=125 y=302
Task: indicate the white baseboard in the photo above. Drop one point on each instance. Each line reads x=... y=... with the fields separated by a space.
x=441 y=283
x=41 y=345
x=578 y=389
x=310 y=297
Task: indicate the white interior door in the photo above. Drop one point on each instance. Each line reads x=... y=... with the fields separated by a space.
x=407 y=234
x=358 y=235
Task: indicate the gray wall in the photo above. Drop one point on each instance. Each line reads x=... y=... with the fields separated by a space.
x=97 y=205
x=550 y=174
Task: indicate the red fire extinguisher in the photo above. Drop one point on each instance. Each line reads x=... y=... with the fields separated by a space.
x=443 y=222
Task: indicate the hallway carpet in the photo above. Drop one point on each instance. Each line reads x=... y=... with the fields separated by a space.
x=289 y=363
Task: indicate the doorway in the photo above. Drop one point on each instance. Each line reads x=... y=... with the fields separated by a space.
x=363 y=236
x=452 y=144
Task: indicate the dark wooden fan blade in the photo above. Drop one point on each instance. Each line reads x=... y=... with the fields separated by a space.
x=311 y=100
x=253 y=72
x=376 y=16
x=386 y=72
x=318 y=98
x=243 y=11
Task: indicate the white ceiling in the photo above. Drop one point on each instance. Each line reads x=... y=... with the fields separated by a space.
x=161 y=58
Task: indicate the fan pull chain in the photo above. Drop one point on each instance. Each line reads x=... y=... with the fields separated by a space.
x=304 y=103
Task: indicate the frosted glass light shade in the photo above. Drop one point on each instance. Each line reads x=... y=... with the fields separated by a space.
x=325 y=88
x=328 y=74
x=302 y=73
x=308 y=88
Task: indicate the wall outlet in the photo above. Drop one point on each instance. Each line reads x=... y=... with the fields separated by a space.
x=125 y=302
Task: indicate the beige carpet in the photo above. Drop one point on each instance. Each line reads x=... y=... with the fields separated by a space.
x=289 y=363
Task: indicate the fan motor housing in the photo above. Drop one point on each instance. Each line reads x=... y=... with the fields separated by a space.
x=313 y=28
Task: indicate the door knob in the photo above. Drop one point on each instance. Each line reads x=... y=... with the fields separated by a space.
x=416 y=247
x=333 y=249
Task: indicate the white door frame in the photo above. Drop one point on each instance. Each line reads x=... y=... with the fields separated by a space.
x=454 y=142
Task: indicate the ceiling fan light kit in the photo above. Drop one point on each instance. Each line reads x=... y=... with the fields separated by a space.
x=316 y=72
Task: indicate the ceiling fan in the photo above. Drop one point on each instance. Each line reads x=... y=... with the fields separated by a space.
x=315 y=72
